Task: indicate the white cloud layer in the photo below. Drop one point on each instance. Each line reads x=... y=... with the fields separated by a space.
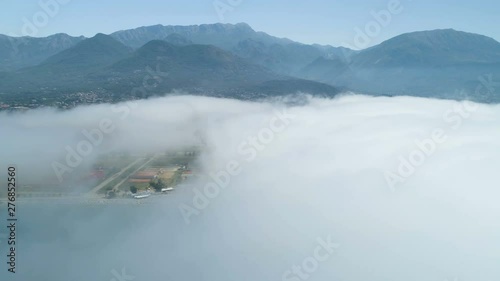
x=323 y=175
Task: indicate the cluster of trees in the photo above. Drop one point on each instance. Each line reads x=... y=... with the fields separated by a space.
x=157 y=185
x=133 y=189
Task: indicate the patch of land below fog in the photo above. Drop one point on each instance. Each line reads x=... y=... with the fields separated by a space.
x=156 y=175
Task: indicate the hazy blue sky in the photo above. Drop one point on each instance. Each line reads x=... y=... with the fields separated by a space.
x=314 y=21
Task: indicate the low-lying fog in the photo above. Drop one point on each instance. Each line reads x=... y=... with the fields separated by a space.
x=354 y=188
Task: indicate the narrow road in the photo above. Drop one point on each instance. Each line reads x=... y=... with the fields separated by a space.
x=93 y=192
x=135 y=171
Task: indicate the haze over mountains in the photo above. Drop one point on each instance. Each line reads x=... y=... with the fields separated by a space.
x=429 y=63
x=236 y=61
x=19 y=52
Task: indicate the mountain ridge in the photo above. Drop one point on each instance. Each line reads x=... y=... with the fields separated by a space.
x=433 y=63
x=436 y=47
x=436 y=63
x=157 y=68
x=92 y=52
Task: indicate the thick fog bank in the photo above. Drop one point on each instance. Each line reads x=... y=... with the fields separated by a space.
x=354 y=188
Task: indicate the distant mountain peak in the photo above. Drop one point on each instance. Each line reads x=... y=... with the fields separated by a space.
x=433 y=47
x=101 y=37
x=223 y=35
x=243 y=24
x=98 y=50
x=443 y=34
x=63 y=35
x=445 y=38
x=155 y=46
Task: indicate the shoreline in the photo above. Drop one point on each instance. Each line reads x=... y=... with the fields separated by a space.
x=82 y=200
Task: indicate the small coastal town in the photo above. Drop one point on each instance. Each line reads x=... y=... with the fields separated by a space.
x=117 y=178
x=60 y=101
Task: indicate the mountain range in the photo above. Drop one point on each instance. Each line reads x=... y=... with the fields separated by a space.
x=236 y=61
x=19 y=52
x=438 y=63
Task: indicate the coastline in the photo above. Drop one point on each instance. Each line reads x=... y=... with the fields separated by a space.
x=82 y=200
